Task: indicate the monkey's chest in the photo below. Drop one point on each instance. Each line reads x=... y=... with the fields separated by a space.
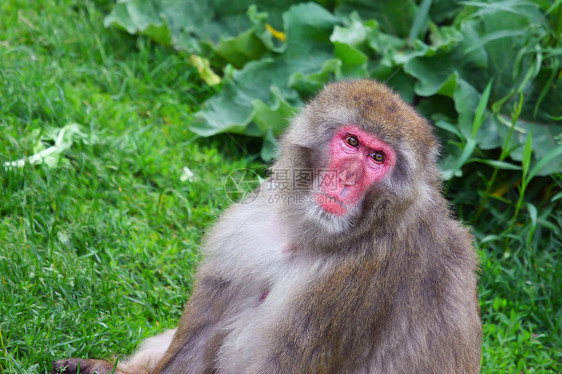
x=266 y=272
x=248 y=328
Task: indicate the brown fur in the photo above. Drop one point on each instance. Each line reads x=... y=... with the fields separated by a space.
x=395 y=292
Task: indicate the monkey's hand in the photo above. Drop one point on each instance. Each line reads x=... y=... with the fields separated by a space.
x=75 y=365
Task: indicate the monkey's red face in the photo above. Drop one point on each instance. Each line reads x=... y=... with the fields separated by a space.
x=358 y=160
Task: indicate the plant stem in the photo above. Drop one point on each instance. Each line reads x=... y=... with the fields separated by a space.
x=504 y=153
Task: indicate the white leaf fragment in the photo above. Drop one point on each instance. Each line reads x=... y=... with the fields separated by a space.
x=186 y=174
x=63 y=137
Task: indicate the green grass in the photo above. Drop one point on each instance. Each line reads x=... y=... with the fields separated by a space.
x=521 y=272
x=98 y=253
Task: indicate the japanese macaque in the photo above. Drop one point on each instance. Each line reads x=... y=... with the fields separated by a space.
x=349 y=260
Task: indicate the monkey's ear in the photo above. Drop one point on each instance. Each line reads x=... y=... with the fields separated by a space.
x=306 y=155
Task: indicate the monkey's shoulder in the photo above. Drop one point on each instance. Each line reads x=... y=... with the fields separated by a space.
x=246 y=241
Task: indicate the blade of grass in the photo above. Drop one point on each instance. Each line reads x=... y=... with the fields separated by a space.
x=526 y=162
x=504 y=153
x=420 y=21
x=495 y=163
x=533 y=215
x=495 y=36
x=552 y=154
x=481 y=108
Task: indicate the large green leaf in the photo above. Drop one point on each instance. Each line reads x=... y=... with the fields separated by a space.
x=233 y=29
x=453 y=50
x=308 y=27
x=395 y=17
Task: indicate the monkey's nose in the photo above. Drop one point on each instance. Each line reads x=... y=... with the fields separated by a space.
x=348 y=178
x=351 y=172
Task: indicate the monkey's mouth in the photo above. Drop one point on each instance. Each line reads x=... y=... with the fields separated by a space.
x=331 y=204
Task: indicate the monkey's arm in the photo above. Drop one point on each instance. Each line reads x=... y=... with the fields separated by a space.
x=196 y=340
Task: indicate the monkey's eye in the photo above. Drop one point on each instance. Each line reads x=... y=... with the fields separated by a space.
x=378 y=156
x=352 y=141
